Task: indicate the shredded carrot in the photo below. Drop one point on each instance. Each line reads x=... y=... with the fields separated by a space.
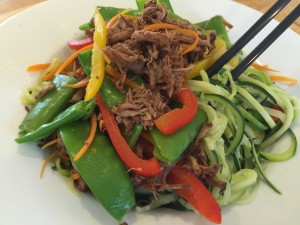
x=50 y=157
x=283 y=79
x=50 y=143
x=263 y=67
x=191 y=47
x=49 y=75
x=67 y=62
x=79 y=84
x=37 y=67
x=90 y=138
x=110 y=71
x=106 y=58
x=130 y=17
x=75 y=175
x=158 y=26
x=116 y=17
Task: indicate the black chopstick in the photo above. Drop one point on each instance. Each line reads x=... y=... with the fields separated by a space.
x=245 y=38
x=250 y=58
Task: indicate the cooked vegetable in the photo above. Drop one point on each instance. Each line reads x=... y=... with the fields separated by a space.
x=99 y=166
x=148 y=167
x=164 y=134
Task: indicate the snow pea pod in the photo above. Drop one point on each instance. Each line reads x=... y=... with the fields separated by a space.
x=51 y=104
x=71 y=114
x=101 y=169
x=168 y=148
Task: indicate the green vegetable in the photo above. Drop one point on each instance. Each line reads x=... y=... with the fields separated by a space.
x=51 y=104
x=169 y=148
x=101 y=169
x=260 y=169
x=71 y=114
x=239 y=120
x=286 y=155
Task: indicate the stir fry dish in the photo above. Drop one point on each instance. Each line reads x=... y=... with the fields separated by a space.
x=132 y=117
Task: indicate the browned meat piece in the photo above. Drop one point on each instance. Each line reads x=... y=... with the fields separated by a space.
x=125 y=58
x=141 y=106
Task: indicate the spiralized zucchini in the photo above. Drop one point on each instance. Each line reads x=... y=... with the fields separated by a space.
x=247 y=102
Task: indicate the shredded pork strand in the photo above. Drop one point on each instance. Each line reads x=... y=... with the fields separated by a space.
x=156 y=57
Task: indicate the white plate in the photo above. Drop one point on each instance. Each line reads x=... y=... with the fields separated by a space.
x=39 y=34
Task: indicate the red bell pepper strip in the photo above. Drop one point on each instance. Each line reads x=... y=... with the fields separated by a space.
x=77 y=44
x=143 y=167
x=197 y=195
x=175 y=119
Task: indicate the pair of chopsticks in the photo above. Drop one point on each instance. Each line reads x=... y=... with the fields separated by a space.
x=252 y=32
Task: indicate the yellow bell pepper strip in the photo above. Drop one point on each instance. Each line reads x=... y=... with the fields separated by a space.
x=98 y=60
x=197 y=194
x=177 y=118
x=204 y=64
x=143 y=167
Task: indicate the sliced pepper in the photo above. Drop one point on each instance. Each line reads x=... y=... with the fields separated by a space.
x=98 y=61
x=177 y=118
x=197 y=195
x=99 y=166
x=148 y=167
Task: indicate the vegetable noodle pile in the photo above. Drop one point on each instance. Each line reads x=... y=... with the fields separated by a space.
x=132 y=117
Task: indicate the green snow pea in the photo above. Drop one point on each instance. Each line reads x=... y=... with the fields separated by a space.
x=216 y=23
x=51 y=104
x=168 y=148
x=101 y=168
x=71 y=114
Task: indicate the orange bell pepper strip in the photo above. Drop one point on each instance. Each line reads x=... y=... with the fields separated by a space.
x=143 y=167
x=175 y=119
x=197 y=194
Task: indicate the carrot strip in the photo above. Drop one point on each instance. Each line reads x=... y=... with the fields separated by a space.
x=67 y=62
x=79 y=84
x=158 y=26
x=37 y=67
x=49 y=75
x=106 y=58
x=191 y=47
x=116 y=17
x=90 y=138
x=50 y=157
x=110 y=71
x=263 y=67
x=284 y=79
x=49 y=143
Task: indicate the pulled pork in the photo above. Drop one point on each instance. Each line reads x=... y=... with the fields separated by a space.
x=156 y=55
x=141 y=106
